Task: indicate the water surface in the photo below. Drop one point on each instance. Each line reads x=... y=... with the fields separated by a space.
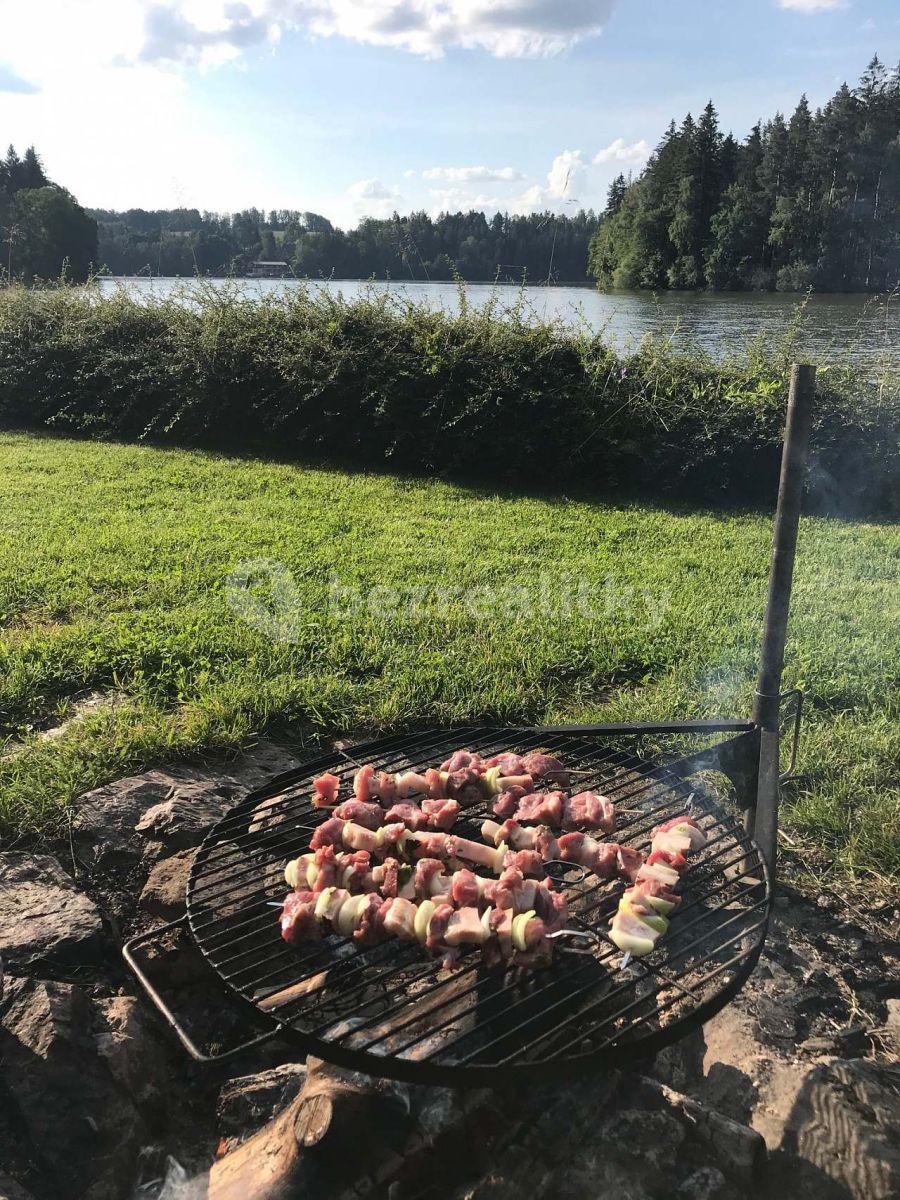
x=834 y=327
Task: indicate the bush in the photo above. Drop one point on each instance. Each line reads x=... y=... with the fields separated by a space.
x=798 y=277
x=487 y=394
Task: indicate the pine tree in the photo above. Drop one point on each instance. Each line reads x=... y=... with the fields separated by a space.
x=10 y=171
x=615 y=195
x=31 y=171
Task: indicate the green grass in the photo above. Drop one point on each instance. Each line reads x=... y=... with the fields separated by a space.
x=113 y=568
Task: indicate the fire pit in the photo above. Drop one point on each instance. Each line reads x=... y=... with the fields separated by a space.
x=387 y=1011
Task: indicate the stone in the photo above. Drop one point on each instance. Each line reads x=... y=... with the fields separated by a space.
x=174 y=961
x=261 y=764
x=846 y=1123
x=888 y=989
x=892 y=1024
x=132 y=1048
x=775 y=1020
x=681 y=1064
x=10 y=1190
x=652 y=1137
x=250 y=1101
x=843 y=1043
x=268 y=815
x=143 y=815
x=164 y=891
x=707 y=1183
x=81 y=1123
x=44 y=918
x=183 y=819
x=104 y=820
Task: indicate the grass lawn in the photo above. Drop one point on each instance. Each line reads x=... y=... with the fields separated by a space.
x=114 y=567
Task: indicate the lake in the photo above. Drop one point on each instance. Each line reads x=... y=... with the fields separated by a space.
x=865 y=328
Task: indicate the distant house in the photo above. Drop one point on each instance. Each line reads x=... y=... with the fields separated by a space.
x=269 y=270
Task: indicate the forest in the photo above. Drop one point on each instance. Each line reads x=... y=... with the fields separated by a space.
x=44 y=231
x=538 y=247
x=808 y=202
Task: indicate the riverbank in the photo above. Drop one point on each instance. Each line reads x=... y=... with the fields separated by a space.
x=381 y=381
x=133 y=632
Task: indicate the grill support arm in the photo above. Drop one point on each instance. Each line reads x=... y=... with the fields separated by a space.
x=762 y=817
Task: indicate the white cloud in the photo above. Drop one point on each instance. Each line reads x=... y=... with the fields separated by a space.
x=566 y=172
x=194 y=30
x=369 y=189
x=455 y=199
x=531 y=200
x=372 y=198
x=208 y=32
x=567 y=169
x=221 y=32
x=129 y=86
x=619 y=151
x=812 y=6
x=473 y=174
x=82 y=104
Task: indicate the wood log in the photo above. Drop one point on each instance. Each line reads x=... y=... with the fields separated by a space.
x=339 y=1129
x=738 y=1150
x=263 y=1167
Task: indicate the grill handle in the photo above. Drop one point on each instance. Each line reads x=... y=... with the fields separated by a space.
x=171 y=1020
x=795 y=734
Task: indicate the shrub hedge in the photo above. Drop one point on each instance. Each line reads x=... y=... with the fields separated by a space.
x=486 y=393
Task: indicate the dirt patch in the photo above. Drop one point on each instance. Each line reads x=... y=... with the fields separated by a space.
x=88 y=704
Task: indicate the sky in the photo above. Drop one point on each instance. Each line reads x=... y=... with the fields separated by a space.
x=356 y=108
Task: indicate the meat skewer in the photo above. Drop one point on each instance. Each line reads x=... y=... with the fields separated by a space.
x=537 y=845
x=353 y=836
x=427 y=880
x=448 y=847
x=439 y=928
x=465 y=776
x=642 y=917
x=394 y=838
x=586 y=810
x=433 y=814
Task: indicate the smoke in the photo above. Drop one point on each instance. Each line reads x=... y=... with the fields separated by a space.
x=175 y=1184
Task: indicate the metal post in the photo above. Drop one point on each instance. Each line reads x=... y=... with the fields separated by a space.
x=762 y=818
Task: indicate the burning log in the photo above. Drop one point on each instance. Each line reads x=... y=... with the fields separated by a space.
x=339 y=1120
x=739 y=1150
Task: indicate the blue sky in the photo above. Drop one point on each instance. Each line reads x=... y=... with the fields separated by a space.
x=356 y=107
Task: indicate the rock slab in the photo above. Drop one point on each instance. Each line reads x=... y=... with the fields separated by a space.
x=160 y=811
x=132 y=1049
x=44 y=918
x=10 y=1190
x=83 y=1127
x=846 y=1122
x=164 y=891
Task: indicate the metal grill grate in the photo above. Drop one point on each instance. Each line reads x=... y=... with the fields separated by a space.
x=388 y=1010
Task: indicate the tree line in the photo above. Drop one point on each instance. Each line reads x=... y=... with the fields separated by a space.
x=812 y=201
x=44 y=231
x=537 y=247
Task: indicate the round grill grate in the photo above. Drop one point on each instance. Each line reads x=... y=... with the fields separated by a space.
x=390 y=1010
